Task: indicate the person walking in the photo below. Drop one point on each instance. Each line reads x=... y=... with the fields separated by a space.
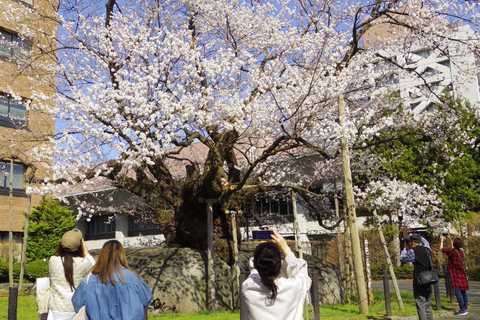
x=419 y=253
x=456 y=270
x=267 y=294
x=112 y=291
x=66 y=269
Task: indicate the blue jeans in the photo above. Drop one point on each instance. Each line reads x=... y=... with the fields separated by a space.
x=462 y=298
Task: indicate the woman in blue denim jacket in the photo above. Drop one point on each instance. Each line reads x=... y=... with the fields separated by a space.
x=112 y=291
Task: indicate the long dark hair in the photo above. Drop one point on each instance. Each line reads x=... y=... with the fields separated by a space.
x=67 y=261
x=268 y=262
x=110 y=260
x=458 y=243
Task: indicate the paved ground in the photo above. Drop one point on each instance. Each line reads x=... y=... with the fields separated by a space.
x=473 y=295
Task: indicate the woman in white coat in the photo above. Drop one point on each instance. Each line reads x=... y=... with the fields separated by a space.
x=66 y=269
x=267 y=294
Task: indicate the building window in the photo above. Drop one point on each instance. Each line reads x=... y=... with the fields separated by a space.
x=12 y=46
x=13 y=113
x=100 y=227
x=138 y=228
x=268 y=210
x=18 y=178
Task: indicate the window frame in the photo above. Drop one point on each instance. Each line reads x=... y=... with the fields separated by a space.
x=19 y=41
x=10 y=122
x=18 y=192
x=92 y=234
x=137 y=228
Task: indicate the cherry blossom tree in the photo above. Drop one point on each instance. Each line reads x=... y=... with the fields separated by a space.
x=253 y=84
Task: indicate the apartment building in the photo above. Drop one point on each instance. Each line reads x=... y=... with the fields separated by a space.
x=25 y=73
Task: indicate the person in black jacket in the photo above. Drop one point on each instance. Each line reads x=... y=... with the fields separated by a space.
x=419 y=253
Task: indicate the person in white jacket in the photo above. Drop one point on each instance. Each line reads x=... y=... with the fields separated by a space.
x=267 y=294
x=66 y=269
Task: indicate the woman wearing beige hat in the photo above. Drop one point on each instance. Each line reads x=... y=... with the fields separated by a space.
x=66 y=269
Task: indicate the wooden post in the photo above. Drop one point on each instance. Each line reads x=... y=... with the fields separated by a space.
x=386 y=294
x=340 y=253
x=210 y=296
x=436 y=292
x=349 y=281
x=389 y=260
x=10 y=229
x=367 y=268
x=314 y=294
x=298 y=244
x=24 y=243
x=236 y=267
x=12 y=290
x=351 y=214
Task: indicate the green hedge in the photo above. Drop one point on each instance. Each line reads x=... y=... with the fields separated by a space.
x=403 y=272
x=33 y=270
x=474 y=274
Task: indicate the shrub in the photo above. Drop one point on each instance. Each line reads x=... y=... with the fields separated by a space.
x=33 y=270
x=36 y=269
x=402 y=272
x=48 y=222
x=474 y=274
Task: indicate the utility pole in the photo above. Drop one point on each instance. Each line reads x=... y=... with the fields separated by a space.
x=351 y=214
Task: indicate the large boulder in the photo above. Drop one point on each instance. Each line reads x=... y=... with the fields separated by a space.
x=177 y=278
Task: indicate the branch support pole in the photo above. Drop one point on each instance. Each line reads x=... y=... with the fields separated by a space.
x=351 y=213
x=236 y=267
x=210 y=268
x=389 y=260
x=296 y=228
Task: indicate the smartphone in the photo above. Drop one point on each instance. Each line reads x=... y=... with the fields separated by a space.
x=262 y=234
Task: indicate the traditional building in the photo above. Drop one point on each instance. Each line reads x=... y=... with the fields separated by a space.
x=22 y=128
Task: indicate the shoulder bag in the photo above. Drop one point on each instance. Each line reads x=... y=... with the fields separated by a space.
x=428 y=277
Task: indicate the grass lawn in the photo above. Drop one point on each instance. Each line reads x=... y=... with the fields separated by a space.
x=27 y=310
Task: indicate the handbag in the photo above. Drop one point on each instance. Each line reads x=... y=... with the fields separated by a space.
x=42 y=294
x=428 y=277
x=81 y=314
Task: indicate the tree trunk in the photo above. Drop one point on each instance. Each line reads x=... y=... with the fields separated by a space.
x=191 y=226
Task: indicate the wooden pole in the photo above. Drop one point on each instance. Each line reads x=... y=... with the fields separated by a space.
x=389 y=260
x=298 y=244
x=349 y=281
x=10 y=229
x=24 y=244
x=340 y=252
x=351 y=214
x=386 y=294
x=367 y=268
x=210 y=268
x=236 y=267
x=315 y=297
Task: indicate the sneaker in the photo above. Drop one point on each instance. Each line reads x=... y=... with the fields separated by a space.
x=462 y=313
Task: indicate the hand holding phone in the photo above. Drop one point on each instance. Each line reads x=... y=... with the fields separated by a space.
x=262 y=234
